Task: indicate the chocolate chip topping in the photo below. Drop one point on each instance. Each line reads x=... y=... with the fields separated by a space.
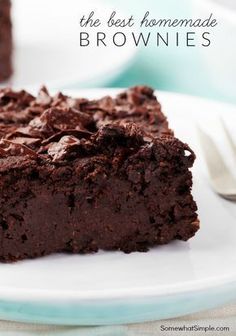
x=59 y=150
x=8 y=148
x=63 y=128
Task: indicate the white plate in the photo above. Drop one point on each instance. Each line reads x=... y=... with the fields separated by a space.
x=47 y=45
x=168 y=281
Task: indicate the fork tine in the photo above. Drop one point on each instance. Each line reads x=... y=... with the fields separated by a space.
x=212 y=155
x=228 y=136
x=222 y=179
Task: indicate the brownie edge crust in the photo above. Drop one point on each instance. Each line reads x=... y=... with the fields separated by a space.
x=79 y=175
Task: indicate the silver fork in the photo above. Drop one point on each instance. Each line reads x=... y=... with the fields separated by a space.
x=221 y=178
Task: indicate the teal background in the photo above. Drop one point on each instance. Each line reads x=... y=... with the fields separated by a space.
x=168 y=68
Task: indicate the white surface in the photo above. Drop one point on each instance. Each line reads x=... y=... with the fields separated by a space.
x=227 y=6
x=206 y=261
x=47 y=46
x=227 y=3
x=220 y=56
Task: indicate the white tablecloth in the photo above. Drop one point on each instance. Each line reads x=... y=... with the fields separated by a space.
x=218 y=318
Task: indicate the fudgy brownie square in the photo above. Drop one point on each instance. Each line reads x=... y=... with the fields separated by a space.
x=79 y=175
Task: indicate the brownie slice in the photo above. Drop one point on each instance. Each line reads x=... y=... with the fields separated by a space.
x=5 y=40
x=78 y=175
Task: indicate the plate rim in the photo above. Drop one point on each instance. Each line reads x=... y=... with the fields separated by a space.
x=174 y=289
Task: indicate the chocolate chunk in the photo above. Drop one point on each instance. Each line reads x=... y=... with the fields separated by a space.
x=59 y=150
x=43 y=97
x=9 y=148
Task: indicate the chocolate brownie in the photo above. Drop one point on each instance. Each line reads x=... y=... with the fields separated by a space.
x=79 y=175
x=5 y=40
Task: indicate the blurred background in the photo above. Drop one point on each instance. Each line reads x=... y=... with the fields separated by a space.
x=209 y=72
x=47 y=48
